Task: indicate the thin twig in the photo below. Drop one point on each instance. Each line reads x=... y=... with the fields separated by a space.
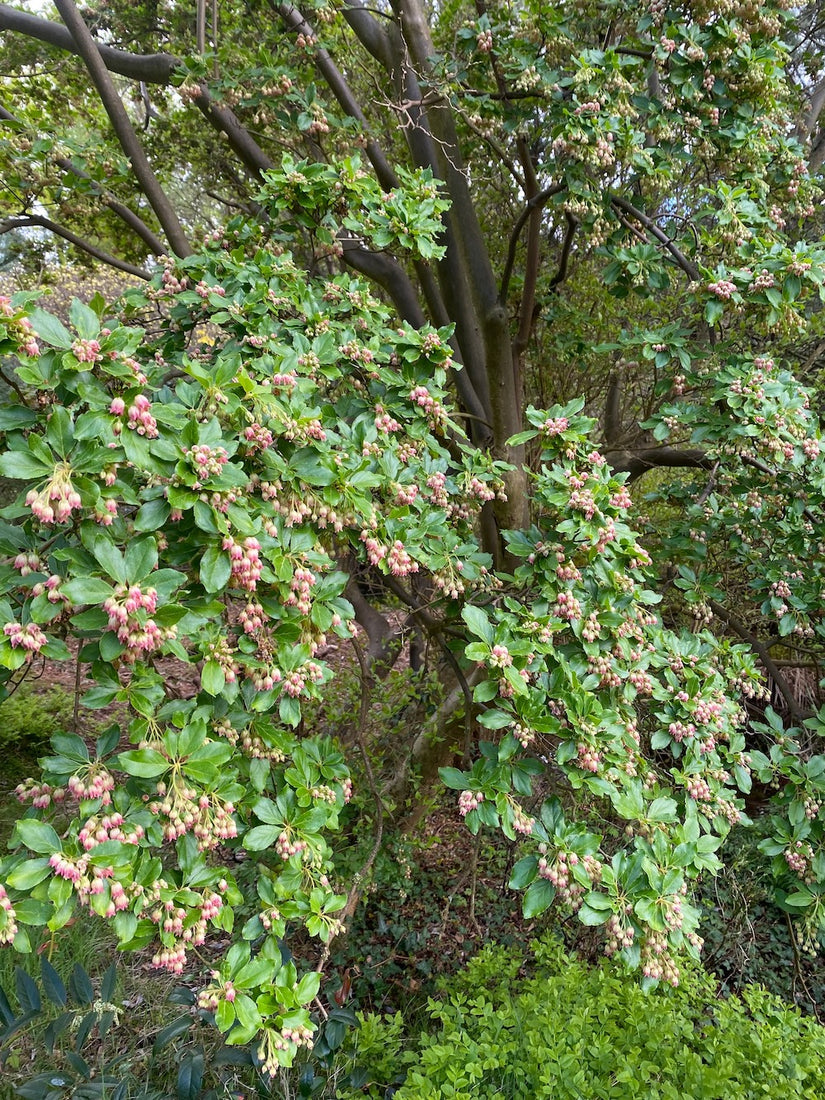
x=363 y=713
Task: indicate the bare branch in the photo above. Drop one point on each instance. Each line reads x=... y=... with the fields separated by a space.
x=342 y=92
x=799 y=714
x=538 y=201
x=31 y=220
x=127 y=216
x=369 y=32
x=637 y=463
x=156 y=68
x=689 y=268
x=128 y=139
x=386 y=271
x=612 y=411
x=566 y=248
x=148 y=68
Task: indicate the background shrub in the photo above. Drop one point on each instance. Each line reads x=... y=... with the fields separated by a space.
x=556 y=1027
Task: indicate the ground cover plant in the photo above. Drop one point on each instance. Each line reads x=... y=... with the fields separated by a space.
x=397 y=398
x=545 y=1024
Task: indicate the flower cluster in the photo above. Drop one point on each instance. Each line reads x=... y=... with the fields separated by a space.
x=566 y=870
x=130 y=608
x=8 y=925
x=29 y=638
x=206 y=461
x=300 y=595
x=58 y=499
x=245 y=561
x=98 y=829
x=469 y=800
x=185 y=810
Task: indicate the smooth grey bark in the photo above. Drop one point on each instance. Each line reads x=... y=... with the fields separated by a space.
x=87 y=49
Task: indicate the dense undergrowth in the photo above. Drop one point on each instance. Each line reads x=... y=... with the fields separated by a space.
x=416 y=1002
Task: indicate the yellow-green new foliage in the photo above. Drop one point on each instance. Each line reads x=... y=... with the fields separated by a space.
x=552 y=1026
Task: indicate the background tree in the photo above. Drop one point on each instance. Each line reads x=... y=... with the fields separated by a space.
x=623 y=211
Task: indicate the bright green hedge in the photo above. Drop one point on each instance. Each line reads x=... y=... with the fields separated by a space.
x=553 y=1027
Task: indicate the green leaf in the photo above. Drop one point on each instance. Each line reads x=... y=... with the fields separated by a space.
x=743 y=778
x=539 y=896
x=213 y=678
x=108 y=982
x=37 y=836
x=190 y=1076
x=27 y=992
x=141 y=559
x=60 y=431
x=308 y=987
x=662 y=809
x=524 y=873
x=152 y=515
x=266 y=810
x=81 y=989
x=167 y=1034
x=495 y=719
x=521 y=437
x=215 y=569
x=125 y=925
x=33 y=912
x=109 y=556
x=28 y=874
x=801 y=899
x=289 y=710
x=592 y=917
x=453 y=778
x=478 y=623
x=84 y=320
x=53 y=985
x=50 y=329
x=83 y=590
x=23 y=466
x=261 y=837
x=145 y=763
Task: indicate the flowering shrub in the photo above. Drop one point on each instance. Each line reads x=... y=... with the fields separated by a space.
x=202 y=474
x=190 y=501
